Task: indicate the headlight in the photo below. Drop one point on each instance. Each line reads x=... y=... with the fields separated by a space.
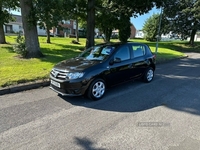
x=74 y=75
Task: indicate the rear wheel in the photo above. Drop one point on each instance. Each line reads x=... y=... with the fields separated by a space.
x=149 y=75
x=96 y=89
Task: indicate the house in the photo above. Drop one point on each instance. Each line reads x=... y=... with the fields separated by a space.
x=196 y=38
x=139 y=34
x=133 y=31
x=67 y=28
x=14 y=26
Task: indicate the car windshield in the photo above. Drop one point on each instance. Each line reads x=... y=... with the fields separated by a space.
x=99 y=52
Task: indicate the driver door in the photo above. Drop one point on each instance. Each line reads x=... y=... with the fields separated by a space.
x=120 y=69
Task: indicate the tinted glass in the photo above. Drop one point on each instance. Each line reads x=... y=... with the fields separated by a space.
x=123 y=53
x=100 y=52
x=138 y=50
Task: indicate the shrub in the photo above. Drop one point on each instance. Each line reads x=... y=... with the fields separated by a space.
x=20 y=47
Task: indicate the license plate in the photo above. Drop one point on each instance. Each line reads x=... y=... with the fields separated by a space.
x=55 y=83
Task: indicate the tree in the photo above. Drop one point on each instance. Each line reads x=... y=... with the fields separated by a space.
x=183 y=17
x=30 y=29
x=90 y=23
x=124 y=28
x=150 y=27
x=5 y=16
x=49 y=14
x=106 y=22
x=111 y=10
x=105 y=14
x=75 y=10
x=106 y=19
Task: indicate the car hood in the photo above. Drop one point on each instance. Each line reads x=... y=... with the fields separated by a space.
x=75 y=64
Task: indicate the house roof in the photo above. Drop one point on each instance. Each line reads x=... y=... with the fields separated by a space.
x=18 y=19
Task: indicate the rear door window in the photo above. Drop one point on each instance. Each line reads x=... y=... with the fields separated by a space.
x=138 y=50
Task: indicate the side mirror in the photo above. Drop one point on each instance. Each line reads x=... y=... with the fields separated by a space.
x=117 y=60
x=111 y=62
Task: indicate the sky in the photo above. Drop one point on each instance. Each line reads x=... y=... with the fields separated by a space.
x=140 y=20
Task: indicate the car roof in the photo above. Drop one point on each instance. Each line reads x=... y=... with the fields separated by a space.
x=119 y=43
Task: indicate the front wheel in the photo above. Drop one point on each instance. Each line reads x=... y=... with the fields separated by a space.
x=148 y=75
x=96 y=89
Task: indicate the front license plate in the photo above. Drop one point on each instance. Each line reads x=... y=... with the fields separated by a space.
x=55 y=83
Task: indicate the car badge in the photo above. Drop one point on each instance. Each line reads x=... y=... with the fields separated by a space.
x=73 y=68
x=55 y=74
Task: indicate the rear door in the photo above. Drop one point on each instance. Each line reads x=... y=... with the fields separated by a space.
x=138 y=58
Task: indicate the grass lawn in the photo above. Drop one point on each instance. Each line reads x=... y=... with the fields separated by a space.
x=14 y=70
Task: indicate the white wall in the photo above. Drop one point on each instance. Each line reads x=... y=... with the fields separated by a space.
x=41 y=31
x=196 y=38
x=139 y=34
x=17 y=28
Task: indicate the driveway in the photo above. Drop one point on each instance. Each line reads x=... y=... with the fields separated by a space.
x=161 y=115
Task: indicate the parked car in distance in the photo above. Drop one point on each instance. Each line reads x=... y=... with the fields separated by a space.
x=102 y=66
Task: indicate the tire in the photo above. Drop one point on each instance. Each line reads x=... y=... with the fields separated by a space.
x=96 y=89
x=148 y=75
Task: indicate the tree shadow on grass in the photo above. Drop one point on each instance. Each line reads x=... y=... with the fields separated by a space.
x=54 y=55
x=62 y=53
x=71 y=46
x=8 y=48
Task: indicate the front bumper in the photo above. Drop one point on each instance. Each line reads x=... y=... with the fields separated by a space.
x=63 y=93
x=69 y=88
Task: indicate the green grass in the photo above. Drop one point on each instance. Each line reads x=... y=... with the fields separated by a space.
x=14 y=70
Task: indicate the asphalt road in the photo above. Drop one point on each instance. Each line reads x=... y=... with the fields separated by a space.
x=161 y=115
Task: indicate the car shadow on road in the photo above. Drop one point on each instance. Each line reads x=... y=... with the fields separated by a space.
x=174 y=87
x=117 y=99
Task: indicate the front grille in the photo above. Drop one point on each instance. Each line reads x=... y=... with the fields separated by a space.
x=59 y=74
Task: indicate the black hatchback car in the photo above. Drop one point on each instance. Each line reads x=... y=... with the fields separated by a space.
x=102 y=66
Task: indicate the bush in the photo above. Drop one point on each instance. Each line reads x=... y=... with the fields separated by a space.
x=20 y=47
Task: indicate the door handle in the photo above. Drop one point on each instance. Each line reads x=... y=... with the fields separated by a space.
x=131 y=66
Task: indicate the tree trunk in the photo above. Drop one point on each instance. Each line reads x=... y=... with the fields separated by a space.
x=2 y=35
x=30 y=29
x=77 y=35
x=108 y=33
x=192 y=36
x=90 y=23
x=48 y=35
